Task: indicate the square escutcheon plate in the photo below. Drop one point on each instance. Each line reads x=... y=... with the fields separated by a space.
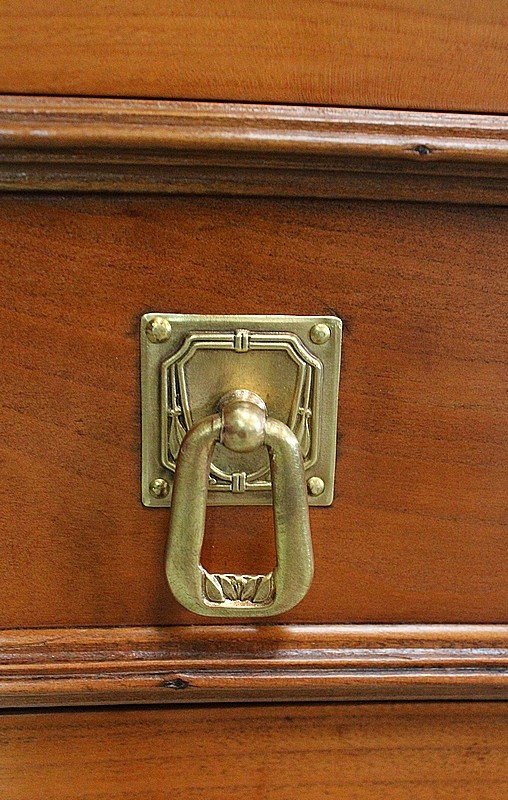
x=188 y=362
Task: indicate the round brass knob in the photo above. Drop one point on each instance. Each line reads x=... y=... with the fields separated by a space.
x=243 y=421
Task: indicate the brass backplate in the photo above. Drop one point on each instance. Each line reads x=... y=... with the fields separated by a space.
x=188 y=362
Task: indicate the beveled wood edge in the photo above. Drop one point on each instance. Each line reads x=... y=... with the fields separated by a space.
x=148 y=146
x=213 y=663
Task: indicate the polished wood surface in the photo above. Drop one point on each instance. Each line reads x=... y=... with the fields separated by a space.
x=193 y=663
x=444 y=55
x=431 y=751
x=90 y=144
x=416 y=533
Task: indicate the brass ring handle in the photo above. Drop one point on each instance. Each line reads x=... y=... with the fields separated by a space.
x=242 y=426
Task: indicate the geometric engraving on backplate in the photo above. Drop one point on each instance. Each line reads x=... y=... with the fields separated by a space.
x=182 y=405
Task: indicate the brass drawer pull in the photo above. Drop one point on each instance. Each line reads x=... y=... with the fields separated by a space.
x=242 y=426
x=198 y=450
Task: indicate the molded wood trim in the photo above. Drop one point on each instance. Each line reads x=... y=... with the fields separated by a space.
x=88 y=666
x=70 y=144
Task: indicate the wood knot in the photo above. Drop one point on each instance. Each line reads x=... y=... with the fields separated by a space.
x=176 y=683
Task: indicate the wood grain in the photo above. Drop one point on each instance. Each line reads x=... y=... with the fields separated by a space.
x=417 y=532
x=444 y=55
x=192 y=664
x=201 y=148
x=431 y=751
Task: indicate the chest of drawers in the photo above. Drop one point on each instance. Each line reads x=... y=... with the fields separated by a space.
x=392 y=220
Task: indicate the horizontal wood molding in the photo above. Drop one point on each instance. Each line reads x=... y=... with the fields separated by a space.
x=67 y=144
x=51 y=667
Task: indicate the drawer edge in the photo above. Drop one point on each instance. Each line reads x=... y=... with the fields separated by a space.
x=277 y=663
x=143 y=146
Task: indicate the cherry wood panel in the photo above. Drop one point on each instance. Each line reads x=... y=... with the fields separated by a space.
x=193 y=663
x=445 y=55
x=64 y=143
x=431 y=751
x=416 y=533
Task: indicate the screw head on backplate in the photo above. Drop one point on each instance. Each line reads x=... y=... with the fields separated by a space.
x=159 y=487
x=158 y=330
x=320 y=333
x=315 y=486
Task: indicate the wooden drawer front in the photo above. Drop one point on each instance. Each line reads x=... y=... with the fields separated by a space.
x=445 y=56
x=416 y=531
x=430 y=751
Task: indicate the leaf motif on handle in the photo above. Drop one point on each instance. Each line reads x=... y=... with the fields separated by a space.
x=243 y=588
x=229 y=587
x=249 y=588
x=213 y=588
x=264 y=589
